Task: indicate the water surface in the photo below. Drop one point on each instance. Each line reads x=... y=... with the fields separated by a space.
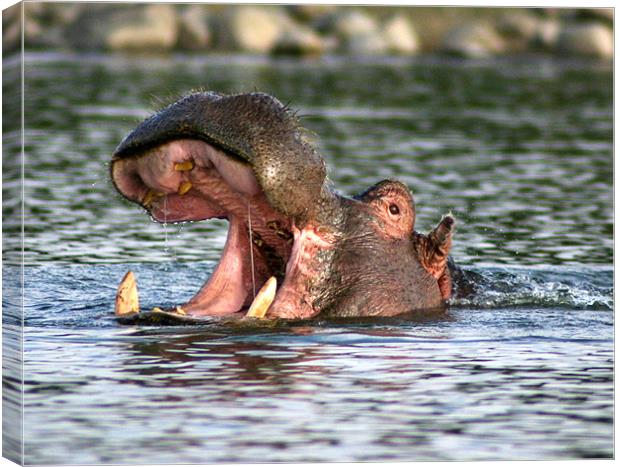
x=519 y=150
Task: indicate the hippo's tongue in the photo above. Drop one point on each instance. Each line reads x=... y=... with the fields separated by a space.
x=229 y=287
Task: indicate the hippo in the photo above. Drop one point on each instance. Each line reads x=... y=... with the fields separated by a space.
x=296 y=248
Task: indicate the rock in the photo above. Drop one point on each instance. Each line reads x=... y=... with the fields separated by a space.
x=359 y=33
x=550 y=12
x=518 y=25
x=309 y=12
x=353 y=23
x=400 y=36
x=300 y=41
x=93 y=19
x=603 y=14
x=124 y=27
x=518 y=30
x=193 y=28
x=11 y=28
x=367 y=44
x=472 y=40
x=33 y=31
x=40 y=29
x=589 y=40
x=547 y=34
x=58 y=14
x=155 y=27
x=252 y=29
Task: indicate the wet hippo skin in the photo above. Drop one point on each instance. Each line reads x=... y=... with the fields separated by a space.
x=296 y=248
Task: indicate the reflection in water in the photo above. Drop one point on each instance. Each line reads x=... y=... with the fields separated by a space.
x=250 y=361
x=244 y=364
x=371 y=391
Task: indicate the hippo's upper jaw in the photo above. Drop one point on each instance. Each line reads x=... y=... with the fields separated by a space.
x=243 y=158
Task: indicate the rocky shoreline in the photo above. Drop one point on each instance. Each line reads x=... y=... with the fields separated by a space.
x=309 y=30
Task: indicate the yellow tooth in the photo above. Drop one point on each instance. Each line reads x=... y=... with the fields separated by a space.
x=180 y=311
x=264 y=299
x=183 y=166
x=150 y=196
x=184 y=188
x=127 y=296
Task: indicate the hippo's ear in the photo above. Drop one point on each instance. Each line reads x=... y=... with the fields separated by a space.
x=255 y=128
x=392 y=203
x=432 y=251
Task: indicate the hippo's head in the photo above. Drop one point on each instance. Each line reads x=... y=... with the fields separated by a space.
x=245 y=158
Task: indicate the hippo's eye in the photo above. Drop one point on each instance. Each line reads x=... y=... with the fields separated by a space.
x=394 y=209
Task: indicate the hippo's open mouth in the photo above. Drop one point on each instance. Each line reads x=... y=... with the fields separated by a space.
x=191 y=180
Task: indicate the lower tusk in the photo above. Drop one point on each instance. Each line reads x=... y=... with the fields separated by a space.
x=127 y=296
x=263 y=300
x=184 y=188
x=183 y=166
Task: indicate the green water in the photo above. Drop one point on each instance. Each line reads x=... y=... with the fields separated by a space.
x=519 y=150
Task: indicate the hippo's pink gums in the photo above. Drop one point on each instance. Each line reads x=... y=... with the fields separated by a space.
x=244 y=158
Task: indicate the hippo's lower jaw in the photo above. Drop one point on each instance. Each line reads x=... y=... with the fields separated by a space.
x=190 y=180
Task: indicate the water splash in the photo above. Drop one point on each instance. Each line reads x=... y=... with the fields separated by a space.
x=496 y=287
x=83 y=295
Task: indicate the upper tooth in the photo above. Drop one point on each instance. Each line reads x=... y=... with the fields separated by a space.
x=264 y=299
x=150 y=196
x=184 y=188
x=183 y=166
